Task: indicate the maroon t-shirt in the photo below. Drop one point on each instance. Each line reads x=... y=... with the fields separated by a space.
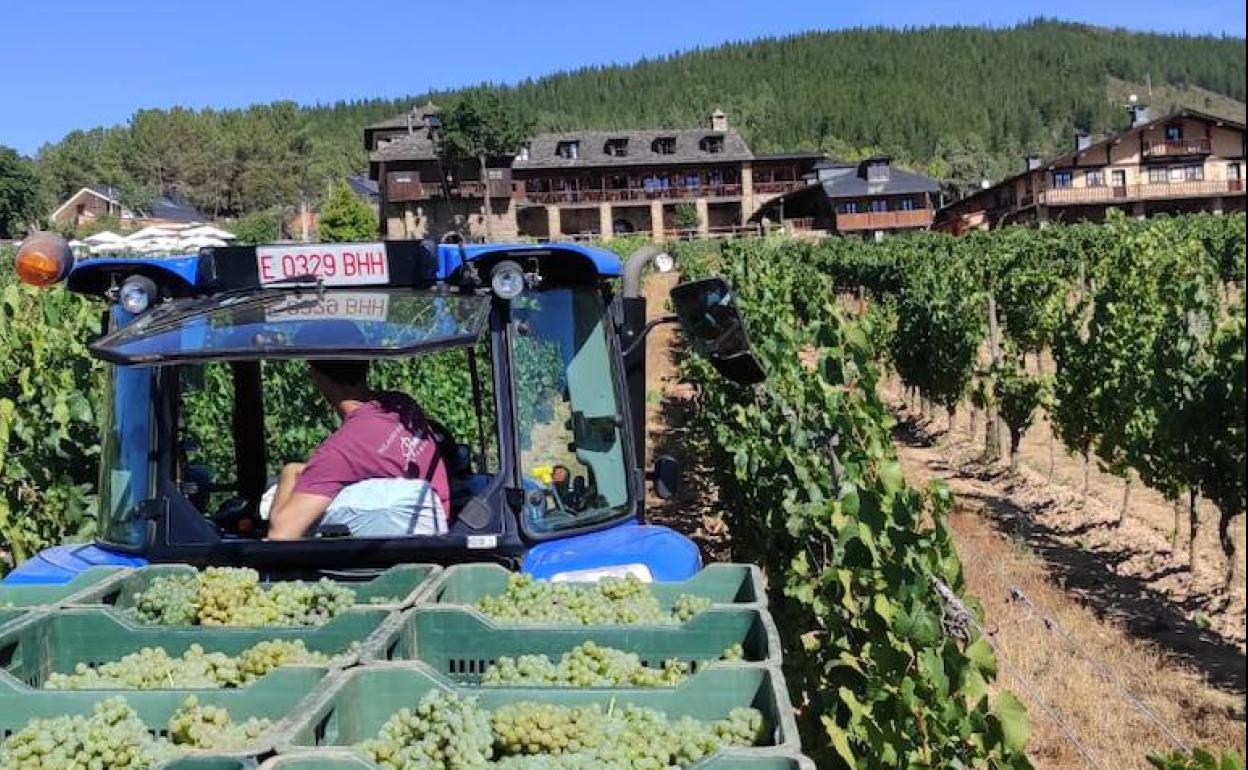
x=387 y=438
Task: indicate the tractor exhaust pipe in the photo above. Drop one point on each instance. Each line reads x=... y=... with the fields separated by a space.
x=637 y=262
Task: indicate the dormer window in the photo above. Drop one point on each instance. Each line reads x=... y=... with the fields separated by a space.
x=664 y=145
x=877 y=170
x=523 y=152
x=570 y=149
x=712 y=144
x=616 y=147
x=1174 y=132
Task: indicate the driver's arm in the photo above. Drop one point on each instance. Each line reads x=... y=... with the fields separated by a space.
x=292 y=519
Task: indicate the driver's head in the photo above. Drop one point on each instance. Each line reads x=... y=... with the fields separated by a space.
x=339 y=377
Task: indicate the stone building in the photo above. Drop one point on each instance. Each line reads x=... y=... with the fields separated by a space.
x=593 y=184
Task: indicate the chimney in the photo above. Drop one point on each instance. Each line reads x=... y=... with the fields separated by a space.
x=1140 y=114
x=719 y=121
x=1033 y=162
x=1083 y=140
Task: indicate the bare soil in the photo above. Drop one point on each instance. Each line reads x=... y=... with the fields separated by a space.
x=1118 y=665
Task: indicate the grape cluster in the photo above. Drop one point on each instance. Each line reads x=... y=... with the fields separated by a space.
x=587 y=665
x=203 y=726
x=233 y=596
x=451 y=732
x=624 y=600
x=114 y=738
x=152 y=668
x=734 y=653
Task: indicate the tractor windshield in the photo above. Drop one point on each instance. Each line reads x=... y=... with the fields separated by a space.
x=297 y=324
x=570 y=417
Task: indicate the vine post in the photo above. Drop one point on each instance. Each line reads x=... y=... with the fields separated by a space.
x=992 y=439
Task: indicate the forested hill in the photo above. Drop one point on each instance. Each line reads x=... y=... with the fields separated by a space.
x=958 y=102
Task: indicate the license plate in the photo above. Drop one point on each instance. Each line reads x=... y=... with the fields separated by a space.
x=334 y=264
x=342 y=305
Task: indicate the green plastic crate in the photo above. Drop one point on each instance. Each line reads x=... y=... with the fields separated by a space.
x=280 y=695
x=355 y=704
x=38 y=594
x=8 y=616
x=58 y=641
x=738 y=585
x=461 y=645
x=331 y=759
x=210 y=763
x=396 y=588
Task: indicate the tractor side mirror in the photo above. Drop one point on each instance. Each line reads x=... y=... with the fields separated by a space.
x=666 y=476
x=708 y=313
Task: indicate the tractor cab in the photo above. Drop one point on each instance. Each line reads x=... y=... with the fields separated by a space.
x=528 y=360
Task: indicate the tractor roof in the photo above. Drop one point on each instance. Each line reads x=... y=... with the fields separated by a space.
x=398 y=264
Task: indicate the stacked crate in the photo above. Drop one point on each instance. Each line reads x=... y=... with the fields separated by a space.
x=414 y=630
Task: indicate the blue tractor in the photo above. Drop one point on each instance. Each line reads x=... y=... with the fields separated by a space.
x=552 y=481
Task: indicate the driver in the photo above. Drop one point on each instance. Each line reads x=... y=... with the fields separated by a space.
x=384 y=456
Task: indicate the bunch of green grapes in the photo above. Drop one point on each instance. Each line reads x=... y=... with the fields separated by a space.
x=111 y=737
x=233 y=596
x=152 y=668
x=448 y=732
x=734 y=653
x=587 y=665
x=148 y=669
x=624 y=600
x=203 y=726
x=444 y=732
x=114 y=738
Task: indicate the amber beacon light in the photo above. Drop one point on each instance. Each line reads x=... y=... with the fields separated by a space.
x=43 y=260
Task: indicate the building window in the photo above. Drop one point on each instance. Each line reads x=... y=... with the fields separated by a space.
x=1095 y=178
x=1194 y=173
x=570 y=150
x=1174 y=132
x=879 y=205
x=877 y=171
x=616 y=147
x=523 y=154
x=494 y=174
x=712 y=144
x=907 y=204
x=1233 y=172
x=664 y=145
x=1158 y=175
x=1062 y=178
x=849 y=207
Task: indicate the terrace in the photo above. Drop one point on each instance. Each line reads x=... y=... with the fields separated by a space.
x=1075 y=196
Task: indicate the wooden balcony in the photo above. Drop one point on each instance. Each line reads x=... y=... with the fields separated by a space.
x=1177 y=148
x=1078 y=196
x=884 y=220
x=778 y=188
x=630 y=194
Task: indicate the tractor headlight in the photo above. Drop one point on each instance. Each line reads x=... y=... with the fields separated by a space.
x=664 y=262
x=137 y=294
x=507 y=280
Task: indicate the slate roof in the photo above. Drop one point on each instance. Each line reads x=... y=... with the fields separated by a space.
x=414 y=146
x=847 y=180
x=640 y=153
x=364 y=187
x=170 y=208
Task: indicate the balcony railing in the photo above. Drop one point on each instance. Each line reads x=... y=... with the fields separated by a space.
x=627 y=194
x=778 y=188
x=1169 y=148
x=1068 y=196
x=884 y=220
x=398 y=192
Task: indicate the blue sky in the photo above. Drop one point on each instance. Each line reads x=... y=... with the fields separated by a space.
x=94 y=63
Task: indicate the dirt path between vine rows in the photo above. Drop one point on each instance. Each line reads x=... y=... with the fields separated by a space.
x=1117 y=663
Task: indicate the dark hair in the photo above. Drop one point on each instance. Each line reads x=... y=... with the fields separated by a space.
x=342 y=372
